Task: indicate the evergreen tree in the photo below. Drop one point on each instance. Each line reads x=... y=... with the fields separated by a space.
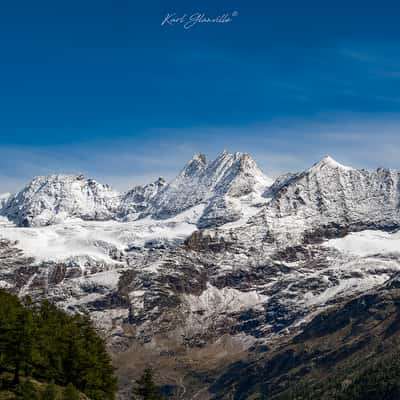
x=50 y=393
x=27 y=391
x=16 y=326
x=70 y=393
x=145 y=388
x=47 y=344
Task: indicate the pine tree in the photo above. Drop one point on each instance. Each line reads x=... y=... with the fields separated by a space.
x=70 y=393
x=16 y=326
x=145 y=388
x=27 y=391
x=50 y=393
x=47 y=344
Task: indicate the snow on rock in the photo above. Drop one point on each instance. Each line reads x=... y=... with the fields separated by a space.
x=54 y=198
x=332 y=196
x=225 y=300
x=137 y=201
x=327 y=163
x=99 y=240
x=4 y=197
x=267 y=254
x=185 y=191
x=217 y=184
x=368 y=243
x=63 y=241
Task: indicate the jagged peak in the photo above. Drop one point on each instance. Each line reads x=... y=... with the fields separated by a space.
x=239 y=158
x=194 y=166
x=160 y=181
x=328 y=162
x=60 y=178
x=232 y=155
x=201 y=157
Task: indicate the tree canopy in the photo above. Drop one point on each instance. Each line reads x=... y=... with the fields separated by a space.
x=47 y=344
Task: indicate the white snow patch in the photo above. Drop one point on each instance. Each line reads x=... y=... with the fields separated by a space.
x=367 y=243
x=95 y=239
x=345 y=287
x=106 y=279
x=215 y=301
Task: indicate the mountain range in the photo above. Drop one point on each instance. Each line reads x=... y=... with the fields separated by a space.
x=208 y=276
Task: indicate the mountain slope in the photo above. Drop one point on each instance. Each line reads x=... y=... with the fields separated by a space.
x=337 y=350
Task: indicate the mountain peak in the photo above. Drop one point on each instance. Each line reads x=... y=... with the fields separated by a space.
x=200 y=157
x=328 y=162
x=54 y=198
x=160 y=181
x=195 y=166
x=232 y=155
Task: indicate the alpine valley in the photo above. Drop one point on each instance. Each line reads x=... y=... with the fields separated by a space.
x=228 y=283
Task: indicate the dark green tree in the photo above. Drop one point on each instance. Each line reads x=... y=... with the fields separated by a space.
x=50 y=392
x=16 y=331
x=48 y=344
x=27 y=391
x=145 y=387
x=71 y=393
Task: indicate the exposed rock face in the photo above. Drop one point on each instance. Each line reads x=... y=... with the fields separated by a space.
x=197 y=272
x=330 y=353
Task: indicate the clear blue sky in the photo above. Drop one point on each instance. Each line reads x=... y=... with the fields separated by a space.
x=100 y=87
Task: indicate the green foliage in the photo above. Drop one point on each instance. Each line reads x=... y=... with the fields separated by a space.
x=50 y=392
x=49 y=345
x=27 y=391
x=380 y=381
x=71 y=393
x=145 y=388
x=16 y=330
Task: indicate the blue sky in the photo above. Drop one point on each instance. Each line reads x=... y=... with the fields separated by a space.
x=100 y=87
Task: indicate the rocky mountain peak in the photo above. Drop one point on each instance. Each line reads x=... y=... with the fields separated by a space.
x=200 y=157
x=160 y=181
x=237 y=174
x=49 y=199
x=195 y=166
x=230 y=174
x=328 y=163
x=138 y=200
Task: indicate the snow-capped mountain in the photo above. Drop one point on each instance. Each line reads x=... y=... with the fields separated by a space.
x=138 y=200
x=196 y=272
x=51 y=199
x=218 y=186
x=329 y=198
